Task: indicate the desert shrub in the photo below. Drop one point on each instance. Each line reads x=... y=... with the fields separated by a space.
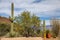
x=55 y=27
x=4 y=29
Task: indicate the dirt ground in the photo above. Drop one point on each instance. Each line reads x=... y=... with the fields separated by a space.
x=52 y=39
x=23 y=38
x=29 y=38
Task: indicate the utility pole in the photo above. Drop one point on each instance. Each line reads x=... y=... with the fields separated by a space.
x=44 y=29
x=12 y=18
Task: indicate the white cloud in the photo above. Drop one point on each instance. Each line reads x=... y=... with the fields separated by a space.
x=43 y=8
x=23 y=1
x=49 y=6
x=51 y=2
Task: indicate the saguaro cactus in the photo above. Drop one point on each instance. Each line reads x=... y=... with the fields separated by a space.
x=44 y=29
x=12 y=17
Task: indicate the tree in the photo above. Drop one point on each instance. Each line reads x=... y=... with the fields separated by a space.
x=55 y=27
x=27 y=22
x=35 y=24
x=35 y=21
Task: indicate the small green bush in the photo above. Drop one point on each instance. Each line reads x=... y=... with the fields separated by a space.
x=4 y=29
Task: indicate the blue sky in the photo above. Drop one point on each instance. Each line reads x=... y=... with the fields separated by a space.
x=45 y=9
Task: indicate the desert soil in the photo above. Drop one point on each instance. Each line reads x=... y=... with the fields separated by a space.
x=28 y=38
x=52 y=39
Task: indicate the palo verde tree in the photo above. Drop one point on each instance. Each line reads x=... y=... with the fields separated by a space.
x=36 y=24
x=26 y=21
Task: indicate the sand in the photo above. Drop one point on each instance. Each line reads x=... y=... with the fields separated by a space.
x=23 y=38
x=28 y=38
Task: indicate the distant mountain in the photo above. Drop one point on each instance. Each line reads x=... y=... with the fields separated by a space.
x=49 y=27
